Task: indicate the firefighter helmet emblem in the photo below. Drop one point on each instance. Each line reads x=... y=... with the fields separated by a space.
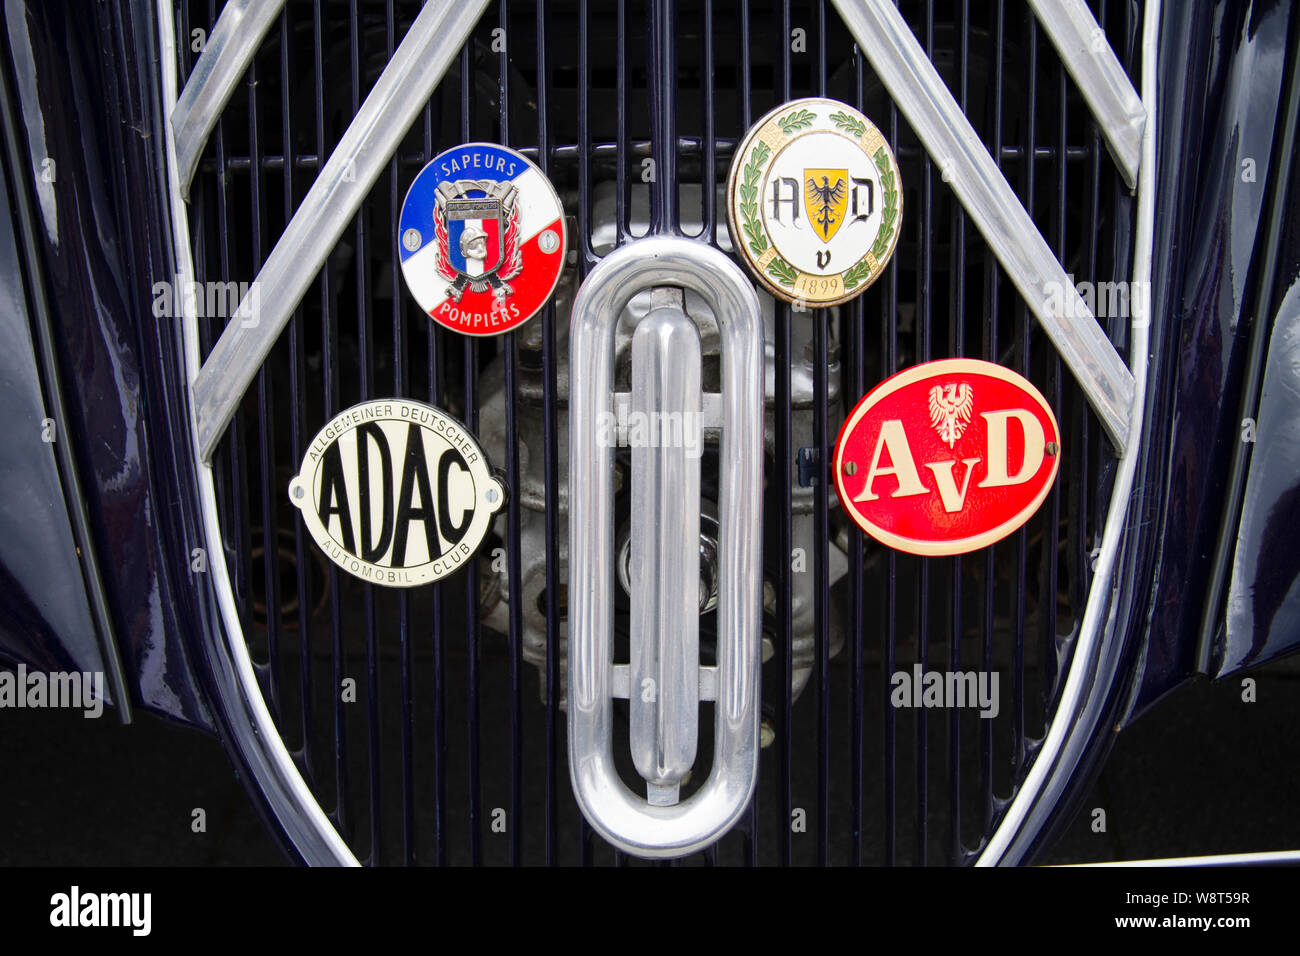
x=482 y=239
x=478 y=238
x=815 y=202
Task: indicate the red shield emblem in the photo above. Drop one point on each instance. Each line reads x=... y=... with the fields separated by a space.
x=947 y=457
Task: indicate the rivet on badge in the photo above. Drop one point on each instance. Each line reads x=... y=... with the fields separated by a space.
x=815 y=202
x=396 y=492
x=481 y=239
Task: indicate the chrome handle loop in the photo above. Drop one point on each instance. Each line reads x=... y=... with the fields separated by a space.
x=665 y=625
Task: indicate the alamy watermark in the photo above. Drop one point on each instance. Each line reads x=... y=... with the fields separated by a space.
x=212 y=300
x=72 y=690
x=133 y=911
x=946 y=689
x=636 y=429
x=1104 y=300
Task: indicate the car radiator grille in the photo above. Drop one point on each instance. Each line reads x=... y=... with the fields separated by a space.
x=454 y=749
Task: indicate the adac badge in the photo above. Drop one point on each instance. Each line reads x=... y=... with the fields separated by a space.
x=396 y=492
x=482 y=239
x=815 y=202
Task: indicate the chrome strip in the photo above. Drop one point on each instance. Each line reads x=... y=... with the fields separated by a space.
x=1074 y=714
x=1222 y=859
x=276 y=774
x=915 y=85
x=398 y=96
x=663 y=679
x=226 y=55
x=621 y=817
x=1088 y=57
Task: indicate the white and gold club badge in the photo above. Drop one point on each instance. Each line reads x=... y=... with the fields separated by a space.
x=815 y=202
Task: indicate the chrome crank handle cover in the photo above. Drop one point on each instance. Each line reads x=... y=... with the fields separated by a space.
x=665 y=649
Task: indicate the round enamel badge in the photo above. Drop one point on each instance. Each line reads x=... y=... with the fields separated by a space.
x=396 y=492
x=481 y=238
x=815 y=202
x=947 y=457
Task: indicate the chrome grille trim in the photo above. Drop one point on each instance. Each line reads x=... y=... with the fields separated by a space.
x=912 y=81
x=206 y=474
x=277 y=775
x=1077 y=713
x=225 y=58
x=372 y=137
x=1092 y=63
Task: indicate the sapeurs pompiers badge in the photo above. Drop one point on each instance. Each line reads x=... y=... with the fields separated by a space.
x=396 y=492
x=481 y=239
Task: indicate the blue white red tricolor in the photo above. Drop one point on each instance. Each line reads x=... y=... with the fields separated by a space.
x=482 y=239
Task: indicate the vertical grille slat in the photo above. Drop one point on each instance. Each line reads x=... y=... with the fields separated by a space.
x=709 y=193
x=856 y=363
x=821 y=515
x=265 y=428
x=586 y=259
x=401 y=386
x=889 y=632
x=661 y=24
x=957 y=292
x=746 y=110
x=992 y=354
x=550 y=427
x=366 y=363
x=782 y=466
x=431 y=120
x=452 y=729
x=924 y=352
x=1020 y=745
x=515 y=625
x=332 y=399
x=297 y=396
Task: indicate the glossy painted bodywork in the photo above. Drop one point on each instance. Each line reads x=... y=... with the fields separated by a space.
x=45 y=617
x=1262 y=617
x=1199 y=347
x=1222 y=127
x=98 y=251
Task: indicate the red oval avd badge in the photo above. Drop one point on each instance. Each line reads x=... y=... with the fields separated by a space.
x=947 y=457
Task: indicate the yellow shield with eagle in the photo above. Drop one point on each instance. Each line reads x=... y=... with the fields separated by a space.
x=826 y=199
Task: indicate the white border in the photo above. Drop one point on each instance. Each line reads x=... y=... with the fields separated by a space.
x=1223 y=859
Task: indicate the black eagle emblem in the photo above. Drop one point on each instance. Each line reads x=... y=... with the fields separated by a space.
x=824 y=198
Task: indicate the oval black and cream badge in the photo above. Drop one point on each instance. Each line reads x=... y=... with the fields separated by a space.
x=396 y=492
x=815 y=202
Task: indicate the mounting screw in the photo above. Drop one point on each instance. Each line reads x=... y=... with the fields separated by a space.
x=850 y=468
x=1051 y=448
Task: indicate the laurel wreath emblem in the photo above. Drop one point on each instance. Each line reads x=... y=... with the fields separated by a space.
x=799 y=119
x=889 y=215
x=782 y=271
x=751 y=225
x=846 y=122
x=857 y=274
